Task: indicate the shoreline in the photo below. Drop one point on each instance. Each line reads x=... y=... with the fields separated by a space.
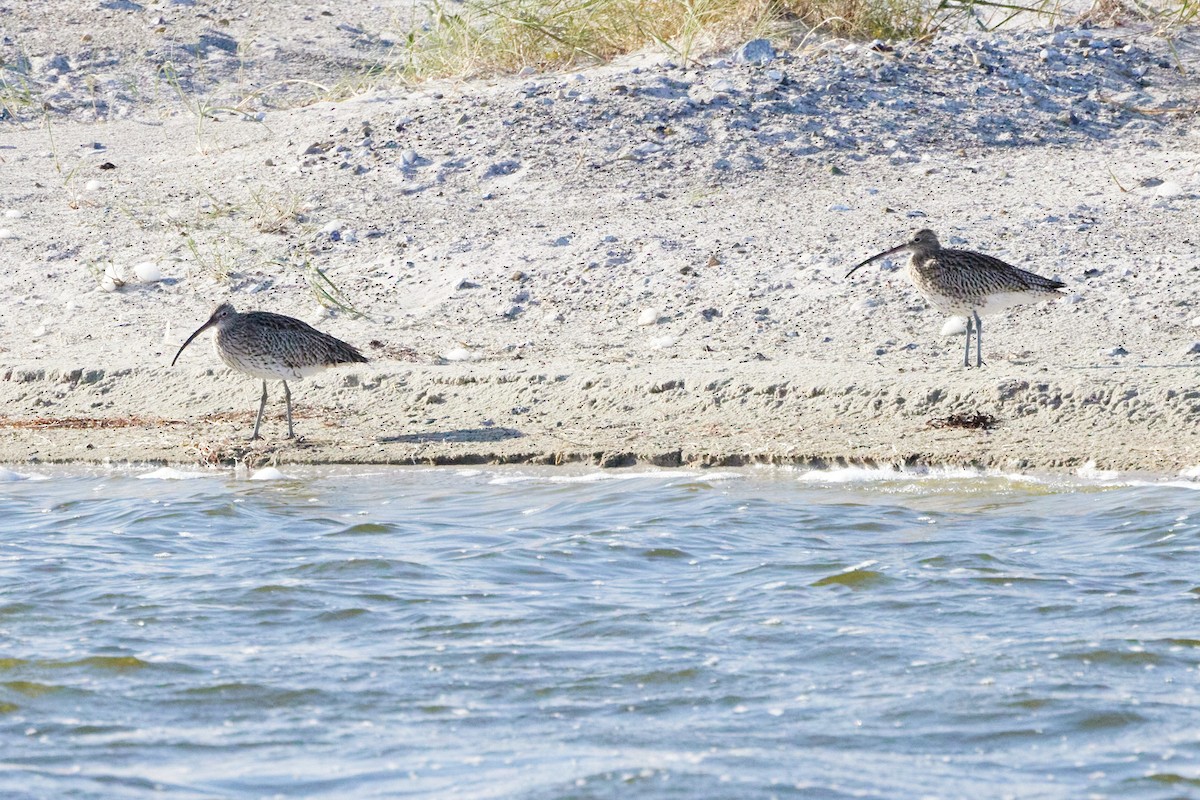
x=690 y=414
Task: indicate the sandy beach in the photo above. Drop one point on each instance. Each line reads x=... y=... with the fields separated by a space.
x=641 y=262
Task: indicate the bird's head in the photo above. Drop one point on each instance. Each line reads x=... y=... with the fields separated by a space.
x=221 y=313
x=919 y=242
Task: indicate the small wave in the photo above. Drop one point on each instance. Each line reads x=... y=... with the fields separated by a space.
x=1086 y=476
x=1089 y=472
x=268 y=474
x=172 y=474
x=877 y=474
x=1110 y=478
x=590 y=477
x=1173 y=484
x=610 y=475
x=7 y=475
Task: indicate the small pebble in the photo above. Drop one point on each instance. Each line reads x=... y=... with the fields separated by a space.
x=755 y=51
x=93 y=186
x=649 y=316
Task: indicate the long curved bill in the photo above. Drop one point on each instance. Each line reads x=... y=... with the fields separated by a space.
x=878 y=256
x=198 y=331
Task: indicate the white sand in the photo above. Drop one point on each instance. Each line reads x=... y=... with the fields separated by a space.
x=630 y=263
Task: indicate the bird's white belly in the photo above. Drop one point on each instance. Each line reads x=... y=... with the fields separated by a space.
x=986 y=304
x=263 y=366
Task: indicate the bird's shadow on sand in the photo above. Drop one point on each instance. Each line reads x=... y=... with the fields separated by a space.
x=461 y=435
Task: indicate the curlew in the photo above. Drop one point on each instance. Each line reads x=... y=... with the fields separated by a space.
x=968 y=284
x=272 y=347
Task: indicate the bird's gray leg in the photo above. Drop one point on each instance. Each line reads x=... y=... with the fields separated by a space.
x=261 y=405
x=967 y=354
x=978 y=340
x=288 y=394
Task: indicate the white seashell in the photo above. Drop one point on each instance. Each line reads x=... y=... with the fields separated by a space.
x=147 y=272
x=955 y=326
x=662 y=342
x=1168 y=189
x=459 y=354
x=649 y=316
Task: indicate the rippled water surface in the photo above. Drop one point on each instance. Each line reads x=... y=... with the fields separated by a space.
x=497 y=633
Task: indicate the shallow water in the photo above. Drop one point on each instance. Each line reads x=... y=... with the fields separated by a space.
x=535 y=634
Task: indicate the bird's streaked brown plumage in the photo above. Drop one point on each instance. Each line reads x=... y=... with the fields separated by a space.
x=272 y=347
x=966 y=283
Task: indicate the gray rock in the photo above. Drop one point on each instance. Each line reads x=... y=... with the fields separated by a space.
x=411 y=158
x=55 y=64
x=501 y=168
x=219 y=41
x=755 y=51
